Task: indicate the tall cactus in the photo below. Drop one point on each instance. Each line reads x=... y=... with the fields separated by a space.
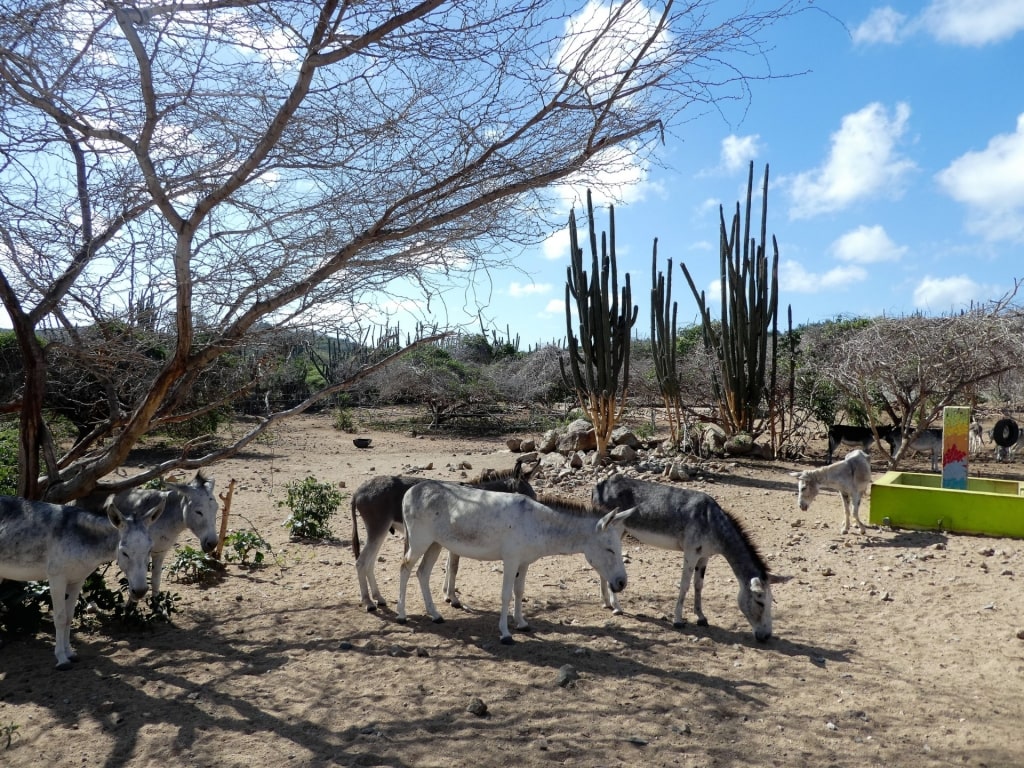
x=749 y=318
x=599 y=356
x=664 y=328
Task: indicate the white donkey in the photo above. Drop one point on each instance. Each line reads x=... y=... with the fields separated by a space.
x=191 y=505
x=851 y=477
x=63 y=545
x=487 y=525
x=693 y=523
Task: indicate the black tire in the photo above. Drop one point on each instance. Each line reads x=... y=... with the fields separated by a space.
x=1005 y=433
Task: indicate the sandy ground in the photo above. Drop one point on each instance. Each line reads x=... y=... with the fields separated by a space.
x=891 y=649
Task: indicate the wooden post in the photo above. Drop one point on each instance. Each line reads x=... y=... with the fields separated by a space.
x=226 y=498
x=956 y=421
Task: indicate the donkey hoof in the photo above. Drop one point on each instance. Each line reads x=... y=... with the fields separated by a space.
x=702 y=622
x=439 y=620
x=507 y=640
x=524 y=628
x=456 y=603
x=371 y=608
x=401 y=620
x=64 y=666
x=678 y=624
x=617 y=612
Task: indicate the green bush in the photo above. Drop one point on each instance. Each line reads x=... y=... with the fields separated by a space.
x=343 y=420
x=190 y=566
x=9 y=461
x=311 y=503
x=240 y=546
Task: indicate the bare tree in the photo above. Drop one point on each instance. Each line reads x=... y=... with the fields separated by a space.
x=248 y=166
x=913 y=367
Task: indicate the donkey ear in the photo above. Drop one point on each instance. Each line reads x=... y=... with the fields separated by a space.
x=774 y=578
x=605 y=521
x=113 y=513
x=757 y=586
x=150 y=515
x=795 y=474
x=623 y=515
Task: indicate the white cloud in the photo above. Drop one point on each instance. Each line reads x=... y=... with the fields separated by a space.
x=738 y=151
x=867 y=245
x=973 y=22
x=554 y=308
x=990 y=183
x=794 y=277
x=603 y=40
x=518 y=290
x=883 y=25
x=863 y=162
x=943 y=294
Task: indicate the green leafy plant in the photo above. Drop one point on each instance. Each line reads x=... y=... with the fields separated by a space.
x=7 y=734
x=240 y=546
x=8 y=462
x=190 y=566
x=343 y=420
x=312 y=504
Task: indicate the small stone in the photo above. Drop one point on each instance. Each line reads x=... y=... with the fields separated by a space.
x=831 y=726
x=1020 y=634
x=567 y=675
x=477 y=707
x=344 y=645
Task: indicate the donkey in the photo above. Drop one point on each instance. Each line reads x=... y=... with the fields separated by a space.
x=487 y=525
x=191 y=505
x=63 y=545
x=693 y=523
x=379 y=503
x=858 y=437
x=851 y=477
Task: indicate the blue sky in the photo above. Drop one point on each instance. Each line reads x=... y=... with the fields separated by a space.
x=896 y=163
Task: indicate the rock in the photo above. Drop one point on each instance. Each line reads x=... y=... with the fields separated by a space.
x=567 y=675
x=514 y=444
x=548 y=442
x=625 y=436
x=578 y=436
x=477 y=707
x=622 y=454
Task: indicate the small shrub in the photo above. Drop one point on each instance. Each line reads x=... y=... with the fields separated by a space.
x=190 y=566
x=343 y=420
x=240 y=546
x=8 y=462
x=7 y=734
x=311 y=503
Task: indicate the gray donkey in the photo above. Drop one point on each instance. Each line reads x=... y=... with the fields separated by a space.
x=693 y=523
x=379 y=503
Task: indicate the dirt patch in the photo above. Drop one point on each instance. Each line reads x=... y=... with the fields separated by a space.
x=891 y=649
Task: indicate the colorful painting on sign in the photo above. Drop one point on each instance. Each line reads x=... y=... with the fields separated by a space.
x=956 y=421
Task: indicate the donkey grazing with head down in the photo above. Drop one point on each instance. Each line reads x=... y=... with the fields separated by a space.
x=63 y=545
x=513 y=528
x=693 y=523
x=379 y=503
x=191 y=505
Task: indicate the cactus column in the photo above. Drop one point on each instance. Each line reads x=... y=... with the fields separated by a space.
x=599 y=355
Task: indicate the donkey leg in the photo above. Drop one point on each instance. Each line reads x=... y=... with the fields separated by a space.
x=609 y=599
x=61 y=621
x=451 y=571
x=519 y=588
x=508 y=579
x=698 y=589
x=423 y=574
x=684 y=585
x=364 y=570
x=855 y=503
x=846 y=512
x=404 y=570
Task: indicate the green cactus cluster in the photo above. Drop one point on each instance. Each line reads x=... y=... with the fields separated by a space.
x=745 y=341
x=599 y=354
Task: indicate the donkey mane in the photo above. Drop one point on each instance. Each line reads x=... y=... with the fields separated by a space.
x=570 y=506
x=745 y=540
x=493 y=476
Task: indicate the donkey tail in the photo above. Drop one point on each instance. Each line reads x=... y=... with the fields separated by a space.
x=355 y=529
